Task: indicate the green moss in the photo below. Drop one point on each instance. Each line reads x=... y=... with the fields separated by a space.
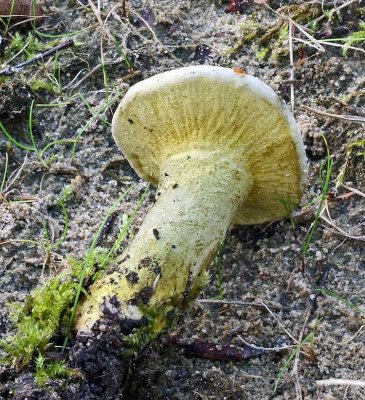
x=357 y=149
x=272 y=39
x=28 y=44
x=158 y=321
x=38 y=85
x=47 y=314
x=42 y=317
x=357 y=37
x=200 y=283
x=355 y=94
x=262 y=53
x=46 y=370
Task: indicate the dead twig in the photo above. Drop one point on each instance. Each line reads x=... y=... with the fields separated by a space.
x=12 y=179
x=342 y=46
x=126 y=78
x=338 y=231
x=40 y=57
x=292 y=67
x=312 y=41
x=124 y=9
x=157 y=40
x=351 y=118
x=353 y=190
x=213 y=351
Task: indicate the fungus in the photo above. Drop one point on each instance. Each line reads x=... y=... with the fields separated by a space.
x=223 y=149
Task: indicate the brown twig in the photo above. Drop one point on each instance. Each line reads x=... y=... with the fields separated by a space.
x=353 y=190
x=292 y=67
x=124 y=9
x=213 y=351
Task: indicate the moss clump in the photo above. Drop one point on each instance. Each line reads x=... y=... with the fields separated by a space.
x=44 y=315
x=29 y=45
x=271 y=38
x=46 y=369
x=356 y=149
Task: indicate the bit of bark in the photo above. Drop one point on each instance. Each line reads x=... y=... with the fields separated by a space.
x=106 y=228
x=21 y=10
x=235 y=6
x=320 y=285
x=15 y=98
x=213 y=351
x=202 y=53
x=124 y=9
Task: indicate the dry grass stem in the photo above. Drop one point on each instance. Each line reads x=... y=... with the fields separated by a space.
x=266 y=378
x=254 y=304
x=342 y=382
x=14 y=176
x=312 y=41
x=92 y=72
x=351 y=118
x=294 y=372
x=336 y=229
x=237 y=303
x=353 y=190
x=336 y=9
x=157 y=40
x=342 y=46
x=263 y=348
x=352 y=338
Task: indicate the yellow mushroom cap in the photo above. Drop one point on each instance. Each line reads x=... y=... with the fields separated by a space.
x=217 y=109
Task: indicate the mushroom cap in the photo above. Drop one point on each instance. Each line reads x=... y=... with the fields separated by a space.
x=217 y=109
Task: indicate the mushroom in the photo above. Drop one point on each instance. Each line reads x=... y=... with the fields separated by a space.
x=223 y=149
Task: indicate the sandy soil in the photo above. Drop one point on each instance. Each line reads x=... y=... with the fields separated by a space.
x=260 y=263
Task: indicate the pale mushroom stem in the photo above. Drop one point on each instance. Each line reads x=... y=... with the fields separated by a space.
x=163 y=268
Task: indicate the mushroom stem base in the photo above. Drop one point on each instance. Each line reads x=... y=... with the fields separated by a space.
x=165 y=265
